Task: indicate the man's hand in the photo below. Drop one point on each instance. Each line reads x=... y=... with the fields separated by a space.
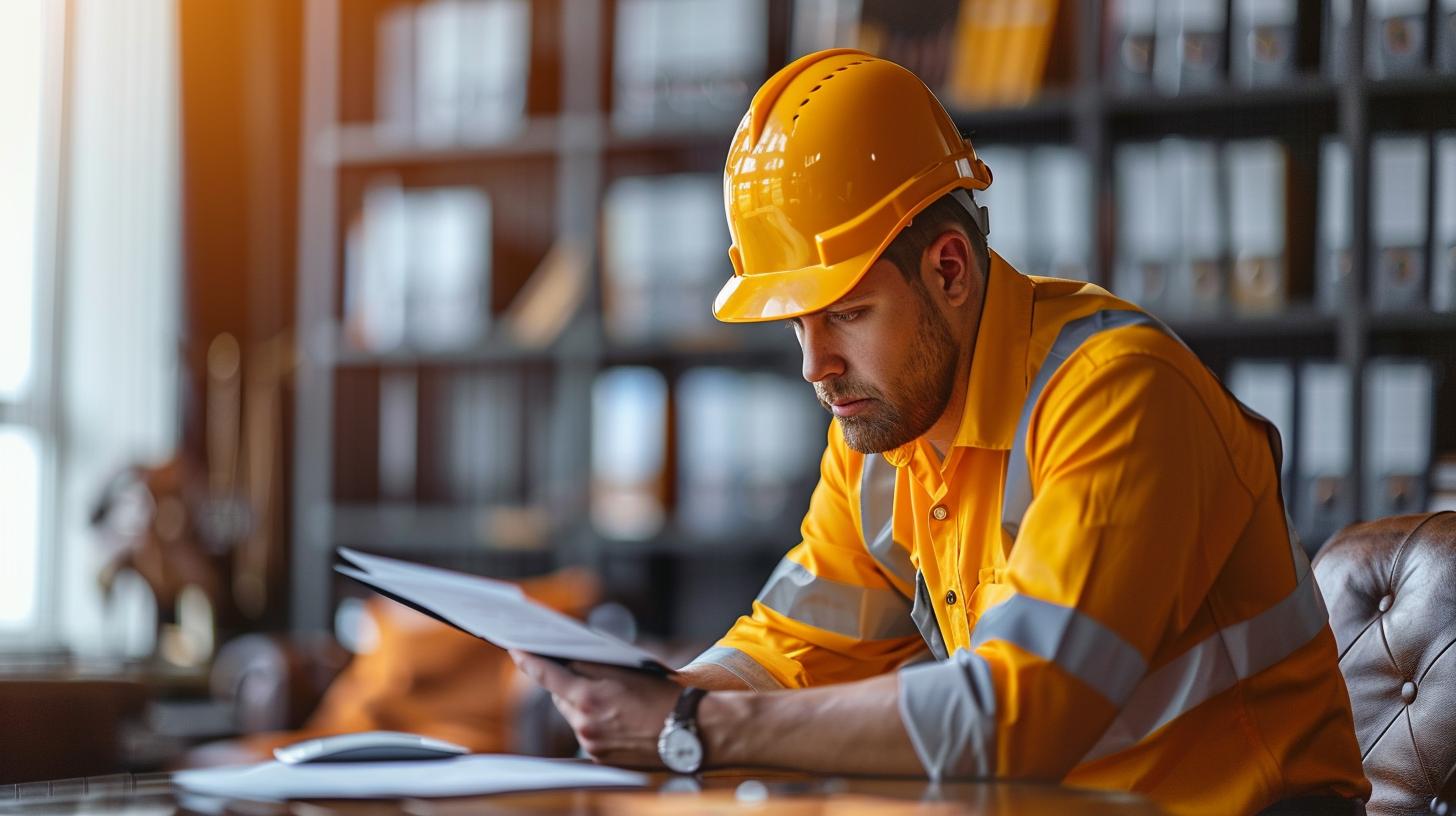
x=616 y=713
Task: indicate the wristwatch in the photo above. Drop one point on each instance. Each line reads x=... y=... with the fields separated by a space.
x=679 y=745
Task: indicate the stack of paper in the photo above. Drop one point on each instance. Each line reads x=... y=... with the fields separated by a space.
x=494 y=611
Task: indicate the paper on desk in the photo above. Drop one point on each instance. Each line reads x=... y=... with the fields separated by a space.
x=460 y=776
x=494 y=611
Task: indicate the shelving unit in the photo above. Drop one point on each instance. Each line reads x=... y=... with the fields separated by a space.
x=571 y=153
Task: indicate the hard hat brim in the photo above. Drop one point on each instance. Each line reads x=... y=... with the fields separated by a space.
x=781 y=295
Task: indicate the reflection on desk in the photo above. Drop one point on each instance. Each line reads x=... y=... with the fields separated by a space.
x=723 y=792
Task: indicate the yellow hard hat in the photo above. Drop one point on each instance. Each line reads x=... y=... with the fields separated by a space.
x=837 y=153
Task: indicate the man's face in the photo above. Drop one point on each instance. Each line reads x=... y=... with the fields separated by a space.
x=882 y=359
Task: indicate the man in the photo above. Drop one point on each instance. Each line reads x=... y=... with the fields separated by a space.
x=1045 y=543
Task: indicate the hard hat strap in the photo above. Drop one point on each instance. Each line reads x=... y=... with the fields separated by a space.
x=978 y=213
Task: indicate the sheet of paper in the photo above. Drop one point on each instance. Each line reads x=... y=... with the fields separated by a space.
x=379 y=565
x=494 y=611
x=461 y=776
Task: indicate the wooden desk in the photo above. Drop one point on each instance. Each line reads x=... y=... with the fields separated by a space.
x=725 y=793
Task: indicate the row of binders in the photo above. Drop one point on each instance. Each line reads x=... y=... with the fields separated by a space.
x=417 y=268
x=452 y=71
x=458 y=71
x=664 y=256
x=435 y=437
x=1203 y=227
x=974 y=53
x=1412 y=221
x=736 y=449
x=1311 y=404
x=1180 y=46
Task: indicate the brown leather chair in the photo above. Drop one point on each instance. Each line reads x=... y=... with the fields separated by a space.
x=1390 y=586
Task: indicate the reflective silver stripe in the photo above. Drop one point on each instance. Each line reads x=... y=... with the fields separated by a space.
x=876 y=517
x=853 y=611
x=923 y=615
x=740 y=665
x=1234 y=653
x=948 y=709
x=1016 y=497
x=1081 y=646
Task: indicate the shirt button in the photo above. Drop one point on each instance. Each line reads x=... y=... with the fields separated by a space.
x=939 y=512
x=950 y=597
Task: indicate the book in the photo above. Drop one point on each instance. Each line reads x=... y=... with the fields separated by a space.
x=1198 y=276
x=1396 y=37
x=1147 y=226
x=1061 y=181
x=1332 y=268
x=1008 y=202
x=1399 y=408
x=1325 y=502
x=1443 y=249
x=1263 y=41
x=1445 y=41
x=1189 y=54
x=1399 y=175
x=686 y=64
x=629 y=428
x=1132 y=42
x=1256 y=176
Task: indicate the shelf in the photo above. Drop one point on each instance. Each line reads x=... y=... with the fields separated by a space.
x=491 y=351
x=375 y=145
x=1414 y=322
x=720 y=345
x=1301 y=322
x=1307 y=105
x=1428 y=88
x=1049 y=118
x=717 y=139
x=403 y=529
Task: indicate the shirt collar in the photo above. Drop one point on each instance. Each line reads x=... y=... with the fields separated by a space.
x=998 y=367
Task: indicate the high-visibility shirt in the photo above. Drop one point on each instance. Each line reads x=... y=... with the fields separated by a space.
x=1101 y=565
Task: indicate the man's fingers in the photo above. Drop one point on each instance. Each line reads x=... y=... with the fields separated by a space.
x=548 y=674
x=601 y=671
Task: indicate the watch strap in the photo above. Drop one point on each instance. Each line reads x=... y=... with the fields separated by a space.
x=686 y=710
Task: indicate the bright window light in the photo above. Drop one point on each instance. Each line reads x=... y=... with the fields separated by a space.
x=21 y=38
x=19 y=524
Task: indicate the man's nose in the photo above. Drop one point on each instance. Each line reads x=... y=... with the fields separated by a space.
x=821 y=358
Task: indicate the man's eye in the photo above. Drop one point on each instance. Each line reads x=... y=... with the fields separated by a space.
x=845 y=317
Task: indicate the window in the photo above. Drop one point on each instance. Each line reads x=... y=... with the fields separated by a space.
x=30 y=83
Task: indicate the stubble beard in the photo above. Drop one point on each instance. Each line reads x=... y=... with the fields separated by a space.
x=914 y=401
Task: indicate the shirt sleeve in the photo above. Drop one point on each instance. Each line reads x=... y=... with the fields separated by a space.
x=828 y=613
x=1138 y=501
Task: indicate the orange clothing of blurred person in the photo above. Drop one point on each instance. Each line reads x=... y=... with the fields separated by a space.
x=1046 y=543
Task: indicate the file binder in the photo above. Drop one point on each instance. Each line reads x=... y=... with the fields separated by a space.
x=1400 y=171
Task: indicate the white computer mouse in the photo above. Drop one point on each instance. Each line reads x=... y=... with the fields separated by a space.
x=368 y=746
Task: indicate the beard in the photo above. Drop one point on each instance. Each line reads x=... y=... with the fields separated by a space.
x=913 y=402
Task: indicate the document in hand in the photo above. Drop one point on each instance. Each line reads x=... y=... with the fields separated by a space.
x=463 y=776
x=493 y=611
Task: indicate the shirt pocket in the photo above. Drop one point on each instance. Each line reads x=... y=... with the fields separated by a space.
x=989 y=592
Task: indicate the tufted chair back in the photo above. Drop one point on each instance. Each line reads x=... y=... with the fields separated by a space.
x=1390 y=586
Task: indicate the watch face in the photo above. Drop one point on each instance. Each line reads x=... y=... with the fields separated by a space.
x=680 y=750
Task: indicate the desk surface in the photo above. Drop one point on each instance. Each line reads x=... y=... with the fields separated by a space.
x=739 y=792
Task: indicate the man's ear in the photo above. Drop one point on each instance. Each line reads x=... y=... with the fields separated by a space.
x=949 y=267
